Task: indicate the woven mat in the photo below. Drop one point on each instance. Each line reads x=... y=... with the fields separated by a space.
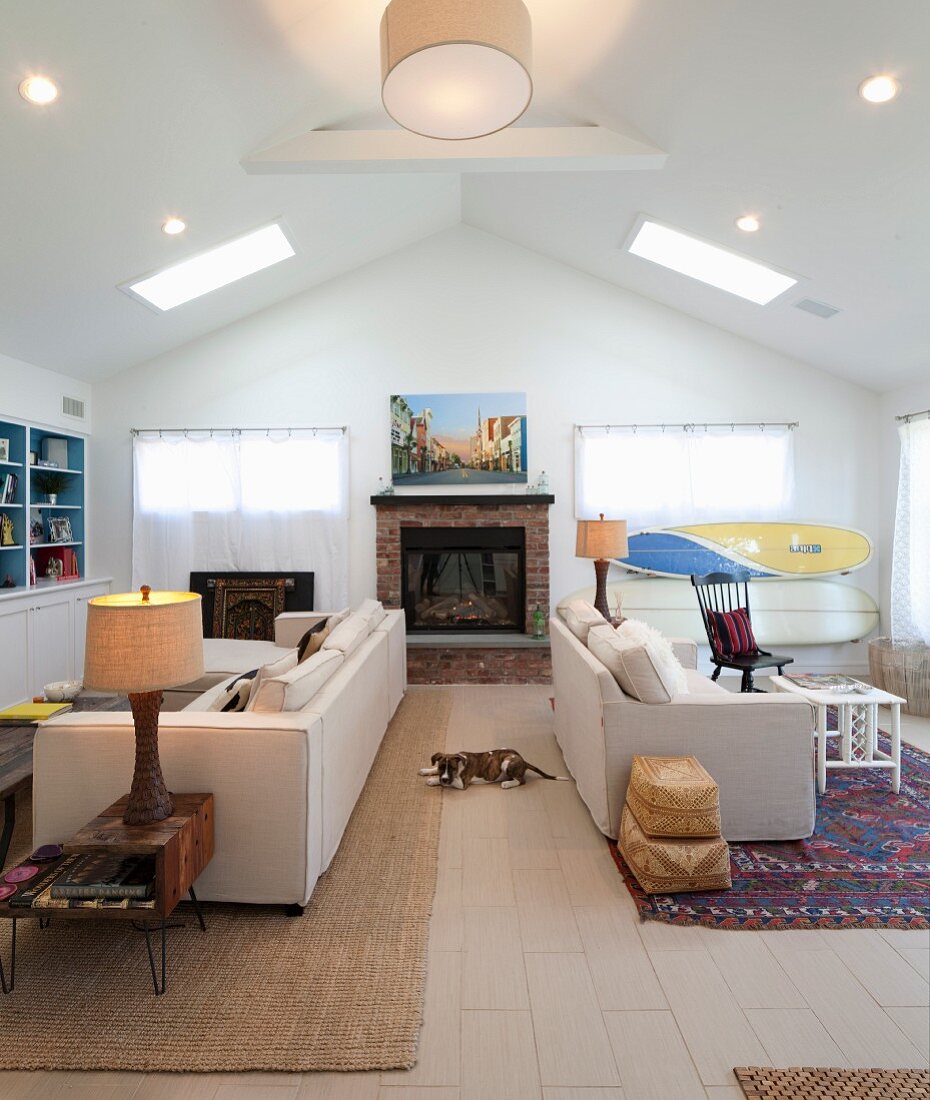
x=340 y=988
x=834 y=1084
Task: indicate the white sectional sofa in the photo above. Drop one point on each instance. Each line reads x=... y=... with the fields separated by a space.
x=284 y=784
x=758 y=749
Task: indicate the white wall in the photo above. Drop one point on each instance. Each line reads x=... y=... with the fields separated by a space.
x=908 y=399
x=34 y=394
x=466 y=311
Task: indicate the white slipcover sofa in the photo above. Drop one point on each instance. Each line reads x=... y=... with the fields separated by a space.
x=284 y=784
x=759 y=748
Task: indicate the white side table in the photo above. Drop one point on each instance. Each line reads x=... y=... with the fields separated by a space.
x=857 y=728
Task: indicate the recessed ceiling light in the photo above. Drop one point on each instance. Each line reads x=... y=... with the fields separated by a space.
x=173 y=226
x=210 y=270
x=709 y=263
x=749 y=223
x=878 y=89
x=38 y=90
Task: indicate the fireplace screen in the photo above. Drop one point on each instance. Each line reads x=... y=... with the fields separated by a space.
x=463 y=578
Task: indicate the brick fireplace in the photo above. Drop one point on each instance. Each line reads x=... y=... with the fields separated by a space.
x=485 y=651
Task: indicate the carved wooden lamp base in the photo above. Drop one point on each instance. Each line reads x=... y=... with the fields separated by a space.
x=601 y=568
x=149 y=799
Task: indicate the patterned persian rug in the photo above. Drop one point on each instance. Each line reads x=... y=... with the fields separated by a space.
x=760 y=1083
x=866 y=866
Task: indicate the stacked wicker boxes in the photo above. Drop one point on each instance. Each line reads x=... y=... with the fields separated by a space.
x=670 y=829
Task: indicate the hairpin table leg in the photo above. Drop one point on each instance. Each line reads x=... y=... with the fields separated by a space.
x=3 y=983
x=198 y=910
x=148 y=943
x=9 y=820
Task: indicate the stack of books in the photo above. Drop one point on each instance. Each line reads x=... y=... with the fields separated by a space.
x=25 y=713
x=99 y=881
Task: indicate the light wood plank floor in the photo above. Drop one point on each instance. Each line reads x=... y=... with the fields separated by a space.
x=543 y=983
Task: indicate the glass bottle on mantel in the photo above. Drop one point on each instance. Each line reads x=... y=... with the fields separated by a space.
x=539 y=624
x=542 y=484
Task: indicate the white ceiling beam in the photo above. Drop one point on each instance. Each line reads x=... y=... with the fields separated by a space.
x=516 y=149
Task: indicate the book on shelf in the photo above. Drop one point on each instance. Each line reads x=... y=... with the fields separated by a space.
x=8 y=495
x=107 y=876
x=24 y=713
x=25 y=897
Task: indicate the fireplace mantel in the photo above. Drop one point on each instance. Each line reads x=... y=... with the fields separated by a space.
x=414 y=500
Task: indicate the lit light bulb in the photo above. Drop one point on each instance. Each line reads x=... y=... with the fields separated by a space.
x=38 y=90
x=173 y=226
x=878 y=89
x=748 y=223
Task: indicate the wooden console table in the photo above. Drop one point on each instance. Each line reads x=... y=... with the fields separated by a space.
x=182 y=846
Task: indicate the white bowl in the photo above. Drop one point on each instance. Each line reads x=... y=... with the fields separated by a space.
x=62 y=691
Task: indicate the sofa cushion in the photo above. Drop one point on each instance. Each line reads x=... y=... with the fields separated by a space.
x=348 y=635
x=579 y=616
x=699 y=684
x=638 y=663
x=732 y=632
x=373 y=611
x=312 y=640
x=270 y=671
x=294 y=689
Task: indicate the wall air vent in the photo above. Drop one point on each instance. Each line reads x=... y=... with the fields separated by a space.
x=819 y=309
x=72 y=406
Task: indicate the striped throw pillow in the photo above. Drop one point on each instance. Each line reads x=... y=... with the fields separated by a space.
x=732 y=633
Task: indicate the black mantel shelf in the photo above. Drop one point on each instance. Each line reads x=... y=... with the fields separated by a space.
x=395 y=500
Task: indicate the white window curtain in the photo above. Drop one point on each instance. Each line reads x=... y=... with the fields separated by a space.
x=910 y=565
x=249 y=501
x=661 y=477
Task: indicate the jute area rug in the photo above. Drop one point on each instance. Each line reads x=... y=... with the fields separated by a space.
x=833 y=1084
x=340 y=988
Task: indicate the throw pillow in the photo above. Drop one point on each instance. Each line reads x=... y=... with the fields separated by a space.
x=293 y=690
x=732 y=633
x=235 y=693
x=638 y=664
x=312 y=640
x=579 y=616
x=372 y=611
x=348 y=635
x=269 y=672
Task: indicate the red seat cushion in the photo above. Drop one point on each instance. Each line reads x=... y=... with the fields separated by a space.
x=732 y=633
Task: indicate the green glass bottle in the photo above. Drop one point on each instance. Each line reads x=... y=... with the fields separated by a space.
x=539 y=623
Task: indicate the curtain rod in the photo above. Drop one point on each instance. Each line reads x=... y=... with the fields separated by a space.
x=234 y=431
x=690 y=427
x=908 y=417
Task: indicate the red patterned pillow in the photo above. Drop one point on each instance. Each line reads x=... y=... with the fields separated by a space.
x=732 y=633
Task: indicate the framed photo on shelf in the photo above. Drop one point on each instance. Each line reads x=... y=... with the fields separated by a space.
x=59 y=529
x=4 y=450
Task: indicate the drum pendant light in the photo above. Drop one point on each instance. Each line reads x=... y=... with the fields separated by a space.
x=456 y=69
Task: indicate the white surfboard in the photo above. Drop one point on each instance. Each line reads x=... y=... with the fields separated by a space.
x=784 y=612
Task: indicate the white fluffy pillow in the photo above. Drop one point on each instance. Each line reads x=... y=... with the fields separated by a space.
x=670 y=669
x=579 y=616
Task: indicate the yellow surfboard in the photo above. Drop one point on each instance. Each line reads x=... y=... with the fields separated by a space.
x=792 y=549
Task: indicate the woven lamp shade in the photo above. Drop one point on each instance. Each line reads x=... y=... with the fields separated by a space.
x=601 y=539
x=137 y=646
x=456 y=69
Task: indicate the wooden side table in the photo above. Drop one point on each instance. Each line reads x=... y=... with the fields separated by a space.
x=182 y=846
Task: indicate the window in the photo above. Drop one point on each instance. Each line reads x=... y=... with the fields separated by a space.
x=910 y=567
x=684 y=474
x=241 y=500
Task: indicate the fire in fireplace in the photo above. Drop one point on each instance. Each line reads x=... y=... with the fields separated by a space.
x=464 y=578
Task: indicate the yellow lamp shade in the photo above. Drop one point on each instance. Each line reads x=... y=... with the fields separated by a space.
x=601 y=539
x=138 y=642
x=456 y=69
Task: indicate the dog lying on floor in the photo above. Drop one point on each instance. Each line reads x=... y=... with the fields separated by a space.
x=461 y=769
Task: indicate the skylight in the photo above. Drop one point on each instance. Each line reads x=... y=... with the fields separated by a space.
x=217 y=267
x=709 y=263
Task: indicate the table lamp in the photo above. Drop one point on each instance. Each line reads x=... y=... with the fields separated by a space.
x=137 y=644
x=601 y=539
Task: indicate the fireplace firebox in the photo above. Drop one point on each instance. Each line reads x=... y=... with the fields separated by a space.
x=464 y=578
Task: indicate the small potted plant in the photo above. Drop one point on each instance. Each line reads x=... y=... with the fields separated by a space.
x=51 y=483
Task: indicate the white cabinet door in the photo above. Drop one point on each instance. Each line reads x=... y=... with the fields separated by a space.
x=14 y=647
x=80 y=624
x=52 y=640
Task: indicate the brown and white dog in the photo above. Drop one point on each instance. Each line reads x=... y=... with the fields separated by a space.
x=461 y=769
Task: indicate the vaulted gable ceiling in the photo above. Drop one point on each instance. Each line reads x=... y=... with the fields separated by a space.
x=755 y=105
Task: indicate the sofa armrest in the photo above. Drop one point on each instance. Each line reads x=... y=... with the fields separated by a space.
x=685 y=649
x=290 y=626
